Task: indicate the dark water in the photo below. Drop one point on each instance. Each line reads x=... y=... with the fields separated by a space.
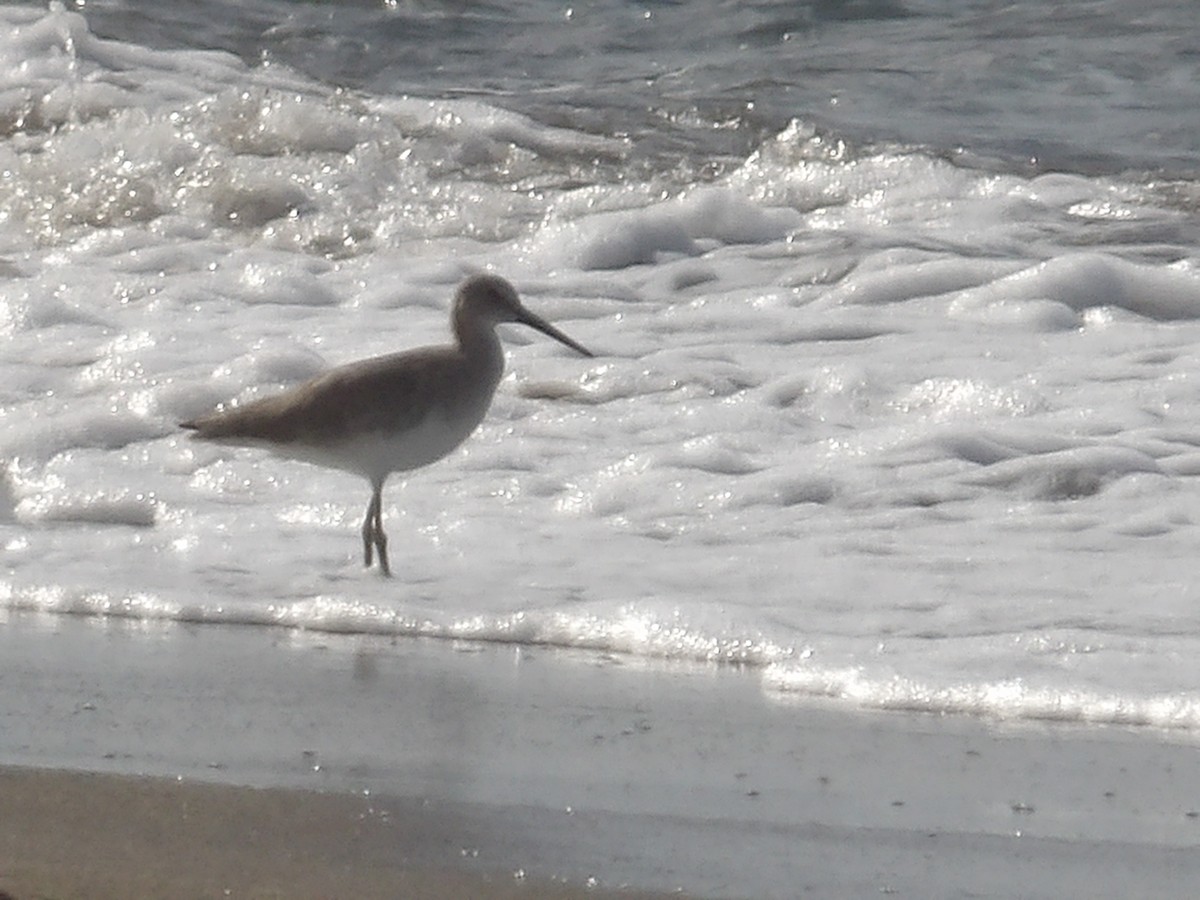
x=1092 y=87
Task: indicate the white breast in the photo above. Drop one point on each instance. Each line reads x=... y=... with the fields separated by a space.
x=375 y=454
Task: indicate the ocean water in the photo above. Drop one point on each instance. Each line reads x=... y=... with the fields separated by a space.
x=896 y=306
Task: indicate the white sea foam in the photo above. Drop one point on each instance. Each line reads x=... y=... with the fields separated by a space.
x=1009 y=700
x=844 y=398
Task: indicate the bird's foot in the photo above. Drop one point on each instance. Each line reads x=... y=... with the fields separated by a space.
x=381 y=546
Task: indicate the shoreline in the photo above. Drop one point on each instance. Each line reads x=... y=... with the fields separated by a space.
x=464 y=764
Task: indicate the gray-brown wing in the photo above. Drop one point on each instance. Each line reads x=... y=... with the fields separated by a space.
x=383 y=393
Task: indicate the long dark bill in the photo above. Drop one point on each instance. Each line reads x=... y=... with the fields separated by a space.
x=535 y=321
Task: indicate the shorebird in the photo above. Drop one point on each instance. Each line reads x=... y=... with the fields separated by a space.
x=391 y=413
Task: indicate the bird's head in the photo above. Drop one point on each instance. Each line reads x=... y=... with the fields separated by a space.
x=490 y=300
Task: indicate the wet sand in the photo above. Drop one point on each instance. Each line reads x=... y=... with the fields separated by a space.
x=275 y=763
x=105 y=837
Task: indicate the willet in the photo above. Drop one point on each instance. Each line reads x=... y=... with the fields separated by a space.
x=390 y=413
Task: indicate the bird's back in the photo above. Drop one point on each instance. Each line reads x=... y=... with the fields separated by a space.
x=380 y=415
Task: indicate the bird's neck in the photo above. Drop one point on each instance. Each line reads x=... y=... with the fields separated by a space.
x=480 y=345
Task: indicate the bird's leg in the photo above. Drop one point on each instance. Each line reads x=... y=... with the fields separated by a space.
x=380 y=537
x=368 y=529
x=372 y=531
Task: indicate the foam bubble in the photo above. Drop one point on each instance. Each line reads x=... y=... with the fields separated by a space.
x=1066 y=474
x=125 y=508
x=898 y=283
x=617 y=240
x=1011 y=699
x=1087 y=281
x=284 y=285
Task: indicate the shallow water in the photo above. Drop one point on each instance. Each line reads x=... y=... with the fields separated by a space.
x=894 y=394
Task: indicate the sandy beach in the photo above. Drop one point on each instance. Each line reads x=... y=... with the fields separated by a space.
x=69 y=834
x=198 y=761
